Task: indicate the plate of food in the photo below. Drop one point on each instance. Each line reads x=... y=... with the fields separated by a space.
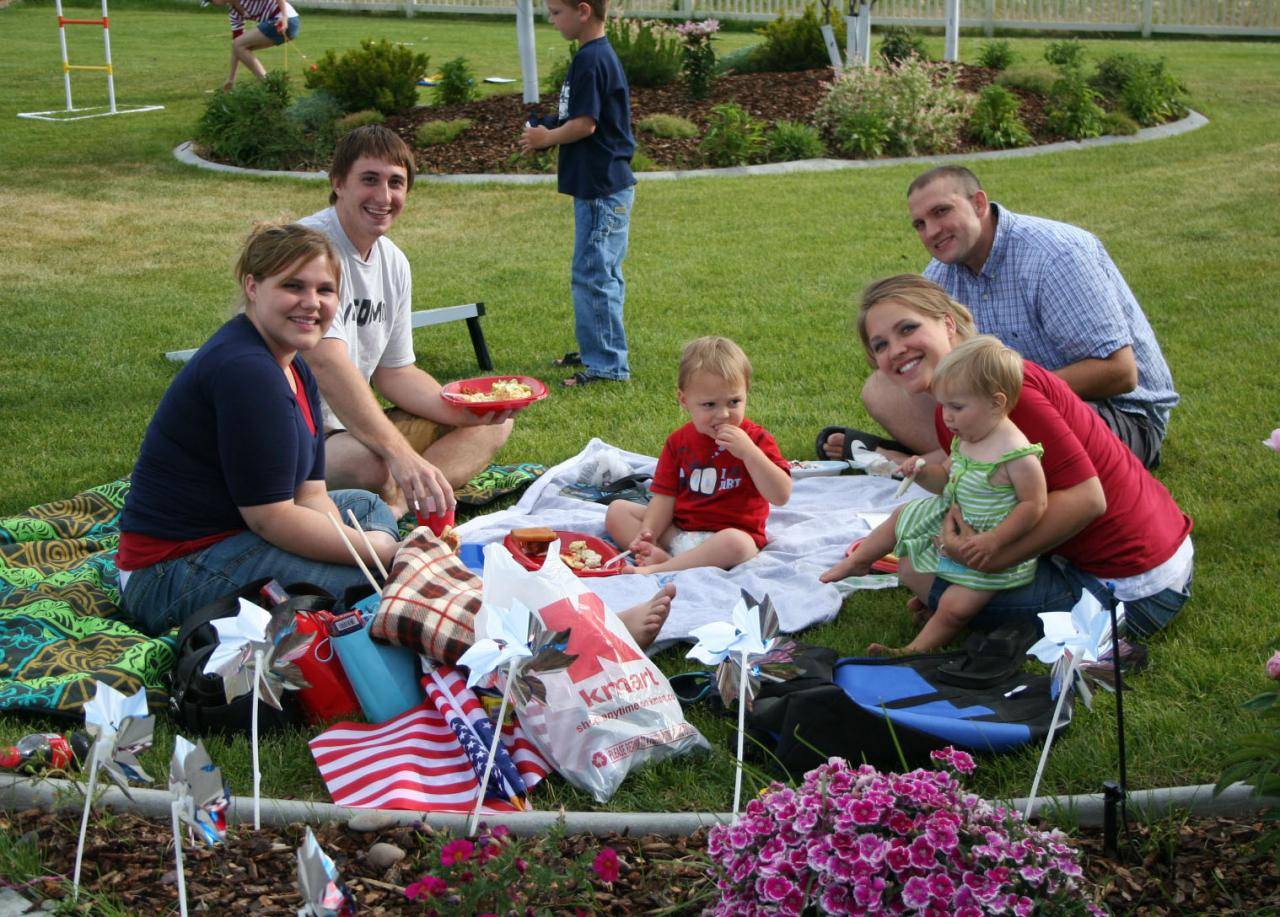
x=886 y=564
x=488 y=394
x=815 y=469
x=584 y=554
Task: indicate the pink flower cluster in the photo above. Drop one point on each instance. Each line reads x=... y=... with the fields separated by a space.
x=855 y=841
x=1273 y=441
x=698 y=30
x=1273 y=667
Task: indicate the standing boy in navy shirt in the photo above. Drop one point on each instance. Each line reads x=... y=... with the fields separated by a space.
x=593 y=130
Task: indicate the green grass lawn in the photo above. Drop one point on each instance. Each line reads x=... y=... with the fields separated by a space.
x=114 y=253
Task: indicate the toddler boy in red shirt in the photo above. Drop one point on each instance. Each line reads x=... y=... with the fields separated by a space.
x=716 y=477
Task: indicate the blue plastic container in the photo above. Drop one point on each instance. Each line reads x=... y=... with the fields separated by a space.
x=386 y=679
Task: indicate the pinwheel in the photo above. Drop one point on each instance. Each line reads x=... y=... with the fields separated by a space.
x=502 y=638
x=121 y=727
x=1081 y=635
x=200 y=800
x=731 y=646
x=323 y=894
x=255 y=652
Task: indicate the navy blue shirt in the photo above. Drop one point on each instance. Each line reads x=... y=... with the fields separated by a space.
x=228 y=433
x=596 y=87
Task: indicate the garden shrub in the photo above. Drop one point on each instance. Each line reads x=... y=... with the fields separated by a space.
x=559 y=70
x=1072 y=108
x=995 y=122
x=650 y=51
x=456 y=83
x=900 y=43
x=793 y=44
x=996 y=55
x=733 y=137
x=642 y=161
x=1065 y=54
x=910 y=109
x=1034 y=78
x=1141 y=87
x=378 y=74
x=698 y=64
x=737 y=61
x=1118 y=123
x=348 y=123
x=672 y=127
x=431 y=133
x=787 y=141
x=249 y=127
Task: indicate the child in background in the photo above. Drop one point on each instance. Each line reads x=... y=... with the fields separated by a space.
x=993 y=478
x=593 y=130
x=277 y=23
x=716 y=476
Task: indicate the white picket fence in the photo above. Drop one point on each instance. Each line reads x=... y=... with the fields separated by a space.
x=1146 y=17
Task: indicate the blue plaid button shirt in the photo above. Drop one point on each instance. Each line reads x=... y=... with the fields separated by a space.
x=1051 y=292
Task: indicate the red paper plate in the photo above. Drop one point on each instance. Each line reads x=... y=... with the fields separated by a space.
x=886 y=564
x=533 y=561
x=454 y=391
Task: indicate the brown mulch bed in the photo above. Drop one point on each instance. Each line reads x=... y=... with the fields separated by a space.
x=489 y=145
x=1200 y=866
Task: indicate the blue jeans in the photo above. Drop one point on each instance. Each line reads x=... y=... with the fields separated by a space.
x=600 y=228
x=268 y=28
x=159 y=597
x=1057 y=587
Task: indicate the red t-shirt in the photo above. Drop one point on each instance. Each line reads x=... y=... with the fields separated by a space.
x=711 y=485
x=1142 y=525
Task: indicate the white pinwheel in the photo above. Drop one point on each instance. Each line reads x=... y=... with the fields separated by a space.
x=323 y=894
x=502 y=638
x=200 y=799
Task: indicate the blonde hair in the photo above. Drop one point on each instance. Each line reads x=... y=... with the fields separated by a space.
x=273 y=248
x=981 y=366
x=919 y=295
x=718 y=356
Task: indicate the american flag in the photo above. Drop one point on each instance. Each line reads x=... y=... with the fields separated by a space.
x=415 y=761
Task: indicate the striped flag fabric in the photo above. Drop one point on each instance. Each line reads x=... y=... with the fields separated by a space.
x=415 y=761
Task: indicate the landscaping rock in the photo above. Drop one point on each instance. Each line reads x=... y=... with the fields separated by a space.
x=384 y=856
x=369 y=822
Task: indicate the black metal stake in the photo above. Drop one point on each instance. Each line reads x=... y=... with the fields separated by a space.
x=1122 y=791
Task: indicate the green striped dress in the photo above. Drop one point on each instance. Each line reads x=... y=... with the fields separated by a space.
x=984 y=506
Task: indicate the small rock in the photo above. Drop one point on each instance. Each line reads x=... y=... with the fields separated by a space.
x=383 y=856
x=368 y=822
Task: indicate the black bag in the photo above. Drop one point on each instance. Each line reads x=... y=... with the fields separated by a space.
x=198 y=701
x=977 y=699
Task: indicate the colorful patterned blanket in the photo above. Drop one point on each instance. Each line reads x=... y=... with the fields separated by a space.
x=61 y=628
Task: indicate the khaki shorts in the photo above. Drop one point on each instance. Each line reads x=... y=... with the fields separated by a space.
x=419 y=431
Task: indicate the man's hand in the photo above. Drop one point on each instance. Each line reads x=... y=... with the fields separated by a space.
x=535 y=137
x=955 y=539
x=425 y=488
x=735 y=440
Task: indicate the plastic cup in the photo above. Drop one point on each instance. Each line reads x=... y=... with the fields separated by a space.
x=437 y=522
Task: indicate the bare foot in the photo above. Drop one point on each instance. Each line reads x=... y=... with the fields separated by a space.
x=650 y=554
x=879 y=649
x=646 y=619
x=919 y=611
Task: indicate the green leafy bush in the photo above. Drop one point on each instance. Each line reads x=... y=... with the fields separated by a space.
x=792 y=44
x=650 y=51
x=1034 y=78
x=910 y=109
x=559 y=70
x=672 y=127
x=431 y=133
x=642 y=162
x=456 y=84
x=1118 y=123
x=996 y=55
x=1072 y=108
x=787 y=140
x=737 y=61
x=995 y=122
x=1065 y=54
x=348 y=123
x=900 y=44
x=378 y=74
x=1141 y=87
x=733 y=137
x=249 y=127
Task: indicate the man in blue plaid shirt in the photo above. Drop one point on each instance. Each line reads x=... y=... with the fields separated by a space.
x=1048 y=290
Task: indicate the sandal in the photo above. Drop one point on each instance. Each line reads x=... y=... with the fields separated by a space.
x=572 y=358
x=869 y=441
x=582 y=377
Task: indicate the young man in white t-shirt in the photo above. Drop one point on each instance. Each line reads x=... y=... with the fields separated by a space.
x=417 y=453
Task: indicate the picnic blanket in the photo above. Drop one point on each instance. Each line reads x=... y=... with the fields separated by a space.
x=806 y=536
x=61 y=628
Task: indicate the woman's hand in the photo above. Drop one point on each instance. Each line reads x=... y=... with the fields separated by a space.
x=957 y=542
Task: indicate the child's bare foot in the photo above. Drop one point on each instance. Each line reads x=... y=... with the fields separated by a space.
x=879 y=649
x=649 y=554
x=919 y=611
x=645 y=620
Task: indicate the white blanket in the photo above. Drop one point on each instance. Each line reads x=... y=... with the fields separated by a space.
x=806 y=536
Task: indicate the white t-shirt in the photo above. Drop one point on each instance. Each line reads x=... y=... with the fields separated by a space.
x=375 y=303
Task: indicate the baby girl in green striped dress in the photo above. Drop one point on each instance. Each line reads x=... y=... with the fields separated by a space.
x=994 y=477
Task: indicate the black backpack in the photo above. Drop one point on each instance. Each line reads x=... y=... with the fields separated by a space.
x=198 y=701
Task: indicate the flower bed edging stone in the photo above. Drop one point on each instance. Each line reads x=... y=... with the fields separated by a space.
x=185 y=153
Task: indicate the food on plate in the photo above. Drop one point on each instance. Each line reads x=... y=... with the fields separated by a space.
x=581 y=557
x=536 y=535
x=501 y=390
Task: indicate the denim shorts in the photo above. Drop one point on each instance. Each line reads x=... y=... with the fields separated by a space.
x=268 y=28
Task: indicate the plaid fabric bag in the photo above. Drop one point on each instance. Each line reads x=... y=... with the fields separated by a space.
x=430 y=602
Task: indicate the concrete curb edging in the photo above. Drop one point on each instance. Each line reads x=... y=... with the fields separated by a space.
x=185 y=153
x=1146 y=805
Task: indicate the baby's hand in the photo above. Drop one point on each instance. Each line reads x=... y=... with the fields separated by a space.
x=734 y=440
x=909 y=467
x=641 y=545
